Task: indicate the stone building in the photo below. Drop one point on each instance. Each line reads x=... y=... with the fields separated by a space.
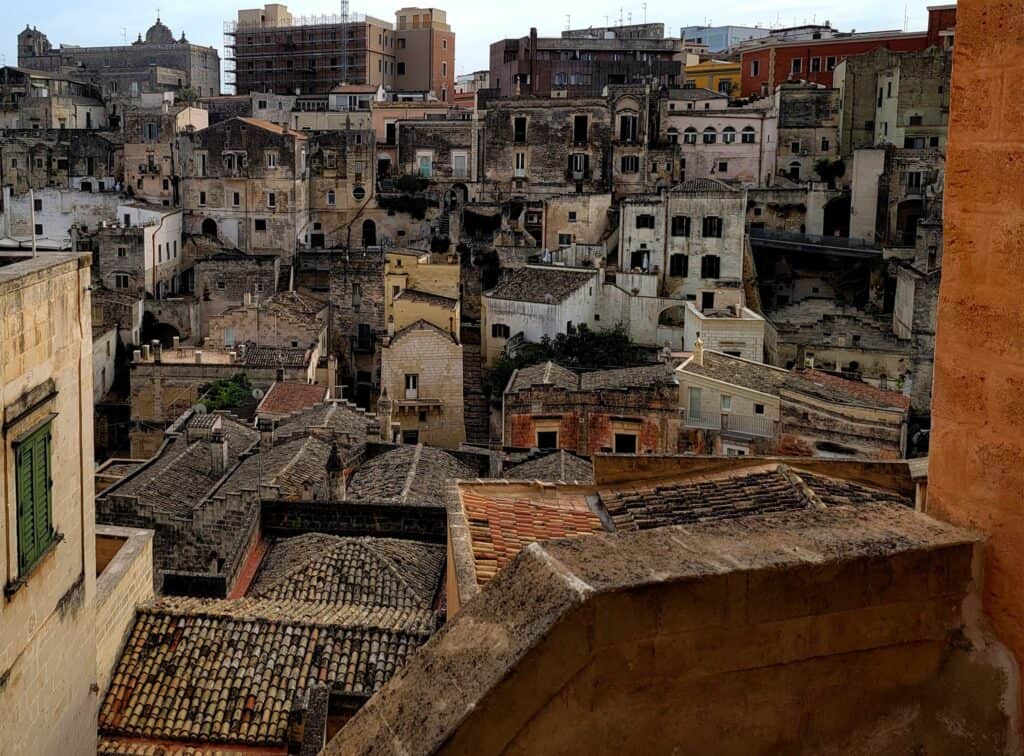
x=625 y=411
x=157 y=63
x=445 y=151
x=808 y=130
x=421 y=386
x=721 y=142
x=358 y=320
x=70 y=588
x=582 y=62
x=84 y=161
x=140 y=253
x=150 y=170
x=733 y=406
x=245 y=182
x=225 y=278
x=690 y=237
x=342 y=185
x=285 y=319
x=425 y=52
x=48 y=100
x=421 y=285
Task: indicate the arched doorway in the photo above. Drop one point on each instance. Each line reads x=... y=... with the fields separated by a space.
x=908 y=213
x=210 y=228
x=837 y=217
x=369 y=233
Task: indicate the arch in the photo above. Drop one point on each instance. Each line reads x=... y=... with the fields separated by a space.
x=836 y=221
x=908 y=214
x=748 y=135
x=457 y=194
x=369 y=233
x=209 y=228
x=710 y=135
x=690 y=135
x=728 y=135
x=794 y=170
x=673 y=135
x=332 y=198
x=672 y=316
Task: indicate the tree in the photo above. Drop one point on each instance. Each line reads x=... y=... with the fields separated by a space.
x=226 y=393
x=188 y=96
x=579 y=348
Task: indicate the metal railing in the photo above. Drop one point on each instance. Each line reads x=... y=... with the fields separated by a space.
x=727 y=422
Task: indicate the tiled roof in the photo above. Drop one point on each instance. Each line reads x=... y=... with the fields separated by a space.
x=334 y=418
x=500 y=528
x=740 y=493
x=544 y=374
x=286 y=397
x=633 y=377
x=422 y=325
x=380 y=572
x=543 y=285
x=739 y=372
x=842 y=389
x=129 y=747
x=408 y=475
x=704 y=185
x=425 y=296
x=273 y=127
x=217 y=671
x=557 y=466
x=275 y=357
x=297 y=467
x=294 y=303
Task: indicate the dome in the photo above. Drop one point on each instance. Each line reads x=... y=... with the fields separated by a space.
x=159 y=34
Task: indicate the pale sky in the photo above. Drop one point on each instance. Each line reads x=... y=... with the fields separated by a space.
x=476 y=24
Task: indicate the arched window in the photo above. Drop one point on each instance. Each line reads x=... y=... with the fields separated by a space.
x=331 y=197
x=710 y=135
x=748 y=136
x=673 y=136
x=728 y=135
x=690 y=135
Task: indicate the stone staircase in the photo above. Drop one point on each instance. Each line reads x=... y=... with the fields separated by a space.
x=444 y=224
x=284 y=277
x=477 y=407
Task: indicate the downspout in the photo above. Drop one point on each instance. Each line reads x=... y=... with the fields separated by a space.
x=152 y=244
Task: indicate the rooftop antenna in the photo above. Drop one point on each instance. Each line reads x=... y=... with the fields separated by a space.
x=620 y=15
x=568 y=22
x=629 y=17
x=906 y=16
x=644 y=6
x=124 y=35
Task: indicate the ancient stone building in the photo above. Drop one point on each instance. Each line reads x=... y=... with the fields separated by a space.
x=245 y=182
x=150 y=171
x=808 y=130
x=157 y=63
x=358 y=320
x=141 y=252
x=224 y=278
x=342 y=172
x=82 y=160
x=48 y=100
x=285 y=319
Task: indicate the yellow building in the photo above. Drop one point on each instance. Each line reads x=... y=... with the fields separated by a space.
x=419 y=285
x=717 y=75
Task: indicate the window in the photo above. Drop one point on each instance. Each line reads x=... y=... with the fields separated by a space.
x=758 y=409
x=520 y=166
x=630 y=164
x=625 y=443
x=680 y=225
x=830 y=63
x=694 y=399
x=271 y=199
x=331 y=197
x=728 y=135
x=410 y=437
x=726 y=403
x=916 y=120
x=794 y=147
x=678 y=266
x=444 y=44
x=673 y=135
x=260 y=224
x=261 y=104
x=202 y=199
x=580 y=129
x=690 y=135
x=628 y=128
x=710 y=135
x=747 y=136
x=500 y=331
x=37 y=205
x=444 y=69
x=460 y=163
x=797 y=66
x=271 y=160
x=519 y=129
x=150 y=132
x=645 y=220
x=723 y=166
x=933 y=141
x=825 y=144
x=39 y=229
x=565 y=240
x=711 y=227
x=122 y=252
x=401 y=43
x=888 y=90
x=815 y=65
x=572 y=216
x=357 y=296
x=913 y=179
x=358 y=192
x=401 y=64
x=236 y=199
x=33 y=484
x=755 y=68
x=547 y=439
x=710 y=266
x=412 y=385
x=120 y=280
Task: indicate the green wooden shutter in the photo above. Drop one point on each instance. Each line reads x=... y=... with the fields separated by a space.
x=33 y=480
x=26 y=508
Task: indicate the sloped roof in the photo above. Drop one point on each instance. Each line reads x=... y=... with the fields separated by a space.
x=286 y=397
x=381 y=572
x=631 y=377
x=413 y=295
x=220 y=671
x=557 y=466
x=408 y=475
x=542 y=285
x=544 y=374
x=704 y=186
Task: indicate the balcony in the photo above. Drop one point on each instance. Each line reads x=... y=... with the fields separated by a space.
x=734 y=424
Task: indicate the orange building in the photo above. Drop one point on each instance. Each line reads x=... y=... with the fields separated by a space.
x=424 y=52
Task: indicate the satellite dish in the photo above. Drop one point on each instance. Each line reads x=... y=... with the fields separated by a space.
x=257 y=393
x=199 y=409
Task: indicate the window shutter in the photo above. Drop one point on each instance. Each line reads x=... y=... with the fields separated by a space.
x=26 y=507
x=41 y=490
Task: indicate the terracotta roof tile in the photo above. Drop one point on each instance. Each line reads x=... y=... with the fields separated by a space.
x=286 y=397
x=500 y=528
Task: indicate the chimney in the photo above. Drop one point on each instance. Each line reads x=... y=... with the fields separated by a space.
x=335 y=475
x=218 y=452
x=176 y=342
x=155 y=344
x=698 y=351
x=199 y=356
x=145 y=352
x=136 y=355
